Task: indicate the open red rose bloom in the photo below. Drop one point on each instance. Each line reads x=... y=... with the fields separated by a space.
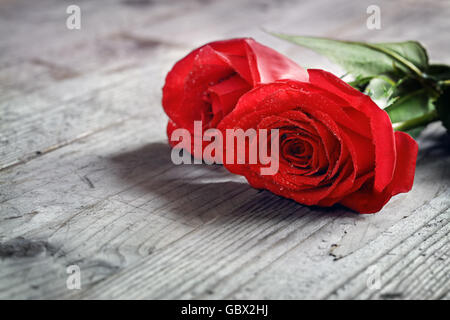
x=336 y=144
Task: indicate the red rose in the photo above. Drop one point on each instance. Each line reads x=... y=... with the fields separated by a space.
x=207 y=83
x=336 y=144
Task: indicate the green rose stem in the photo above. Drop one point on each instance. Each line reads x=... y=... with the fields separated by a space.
x=444 y=83
x=416 y=122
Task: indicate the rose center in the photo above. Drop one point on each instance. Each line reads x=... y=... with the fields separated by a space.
x=297 y=151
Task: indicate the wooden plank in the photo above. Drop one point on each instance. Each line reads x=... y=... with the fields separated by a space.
x=100 y=209
x=288 y=263
x=48 y=123
x=396 y=247
x=102 y=192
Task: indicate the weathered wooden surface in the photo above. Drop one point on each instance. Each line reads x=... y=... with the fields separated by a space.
x=87 y=180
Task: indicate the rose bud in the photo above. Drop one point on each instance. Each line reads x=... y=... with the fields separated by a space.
x=207 y=83
x=335 y=144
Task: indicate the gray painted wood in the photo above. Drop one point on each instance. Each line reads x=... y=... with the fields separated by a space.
x=86 y=177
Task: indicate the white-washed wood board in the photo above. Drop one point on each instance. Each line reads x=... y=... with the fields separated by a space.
x=86 y=177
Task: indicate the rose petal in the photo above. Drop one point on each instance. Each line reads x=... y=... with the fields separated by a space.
x=267 y=65
x=380 y=125
x=407 y=150
x=228 y=92
x=368 y=200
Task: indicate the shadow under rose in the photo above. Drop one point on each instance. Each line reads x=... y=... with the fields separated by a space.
x=434 y=144
x=197 y=194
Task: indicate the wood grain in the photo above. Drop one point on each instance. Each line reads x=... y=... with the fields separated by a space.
x=86 y=176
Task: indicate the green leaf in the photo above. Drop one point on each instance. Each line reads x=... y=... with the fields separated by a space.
x=385 y=91
x=421 y=121
x=411 y=51
x=360 y=82
x=439 y=72
x=379 y=90
x=409 y=106
x=415 y=132
x=443 y=108
x=365 y=59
